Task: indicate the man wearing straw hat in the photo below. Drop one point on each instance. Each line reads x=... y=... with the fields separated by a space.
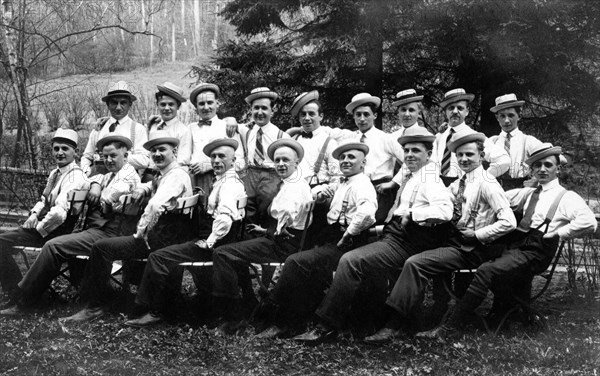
x=409 y=107
x=103 y=221
x=550 y=213
x=456 y=107
x=517 y=144
x=482 y=214
x=48 y=218
x=119 y=100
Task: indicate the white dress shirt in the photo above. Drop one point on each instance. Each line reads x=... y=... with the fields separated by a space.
x=521 y=146
x=222 y=204
x=572 y=218
x=329 y=170
x=203 y=134
x=175 y=128
x=361 y=204
x=288 y=206
x=270 y=134
x=495 y=155
x=115 y=185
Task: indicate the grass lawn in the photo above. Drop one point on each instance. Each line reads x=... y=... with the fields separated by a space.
x=37 y=344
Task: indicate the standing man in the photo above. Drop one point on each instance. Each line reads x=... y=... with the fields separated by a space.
x=456 y=106
x=261 y=178
x=118 y=100
x=517 y=144
x=222 y=212
x=49 y=217
x=307 y=274
x=417 y=225
x=157 y=228
x=102 y=222
x=551 y=213
x=409 y=107
x=282 y=237
x=482 y=214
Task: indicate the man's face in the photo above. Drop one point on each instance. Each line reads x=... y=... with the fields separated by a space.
x=163 y=155
x=545 y=170
x=364 y=118
x=222 y=159
x=118 y=106
x=508 y=119
x=408 y=114
x=207 y=105
x=415 y=155
x=457 y=112
x=63 y=153
x=167 y=107
x=352 y=162
x=468 y=156
x=286 y=161
x=114 y=158
x=310 y=119
x=262 y=111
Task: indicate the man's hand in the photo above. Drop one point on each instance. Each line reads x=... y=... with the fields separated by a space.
x=255 y=229
x=294 y=131
x=406 y=219
x=202 y=244
x=385 y=186
x=531 y=182
x=93 y=196
x=31 y=222
x=326 y=193
x=195 y=168
x=231 y=126
x=467 y=233
x=137 y=195
x=284 y=233
x=100 y=122
x=551 y=235
x=153 y=119
x=345 y=241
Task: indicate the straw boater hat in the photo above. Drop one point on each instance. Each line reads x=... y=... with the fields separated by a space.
x=302 y=100
x=416 y=134
x=120 y=88
x=349 y=145
x=456 y=95
x=362 y=99
x=506 y=101
x=261 y=92
x=204 y=86
x=172 y=91
x=544 y=150
x=220 y=142
x=111 y=137
x=67 y=136
x=160 y=137
x=286 y=142
x=406 y=96
x=464 y=137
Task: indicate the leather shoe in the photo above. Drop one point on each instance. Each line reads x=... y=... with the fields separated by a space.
x=272 y=331
x=441 y=333
x=384 y=335
x=13 y=310
x=147 y=320
x=86 y=314
x=316 y=336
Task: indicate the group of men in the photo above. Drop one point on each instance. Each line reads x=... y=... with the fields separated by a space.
x=439 y=198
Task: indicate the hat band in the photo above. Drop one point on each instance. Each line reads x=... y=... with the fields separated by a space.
x=506 y=102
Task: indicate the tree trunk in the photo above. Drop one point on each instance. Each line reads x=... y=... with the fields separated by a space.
x=197 y=27
x=151 y=34
x=173 y=40
x=373 y=73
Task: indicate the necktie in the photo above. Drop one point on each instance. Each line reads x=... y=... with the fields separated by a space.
x=507 y=143
x=306 y=134
x=107 y=181
x=52 y=181
x=113 y=126
x=259 y=153
x=525 y=223
x=397 y=200
x=343 y=179
x=161 y=126
x=204 y=122
x=363 y=137
x=156 y=182
x=460 y=196
x=446 y=157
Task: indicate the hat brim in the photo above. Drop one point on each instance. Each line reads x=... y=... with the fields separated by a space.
x=555 y=150
x=502 y=106
x=171 y=93
x=350 y=146
x=64 y=140
x=416 y=138
x=112 y=138
x=265 y=94
x=400 y=102
x=350 y=107
x=208 y=87
x=286 y=142
x=119 y=93
x=308 y=97
x=161 y=140
x=471 y=137
x=218 y=143
x=461 y=97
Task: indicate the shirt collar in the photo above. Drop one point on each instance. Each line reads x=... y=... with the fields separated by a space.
x=227 y=175
x=474 y=175
x=173 y=121
x=460 y=128
x=122 y=121
x=171 y=166
x=551 y=184
x=64 y=169
x=514 y=132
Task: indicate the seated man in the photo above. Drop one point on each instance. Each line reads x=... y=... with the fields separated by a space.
x=101 y=222
x=157 y=228
x=222 y=212
x=529 y=249
x=307 y=274
x=423 y=203
x=281 y=239
x=48 y=218
x=482 y=214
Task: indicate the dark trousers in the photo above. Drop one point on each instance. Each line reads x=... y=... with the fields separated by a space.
x=385 y=201
x=384 y=258
x=261 y=188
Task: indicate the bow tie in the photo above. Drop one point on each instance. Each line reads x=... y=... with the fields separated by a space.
x=204 y=122
x=306 y=134
x=343 y=179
